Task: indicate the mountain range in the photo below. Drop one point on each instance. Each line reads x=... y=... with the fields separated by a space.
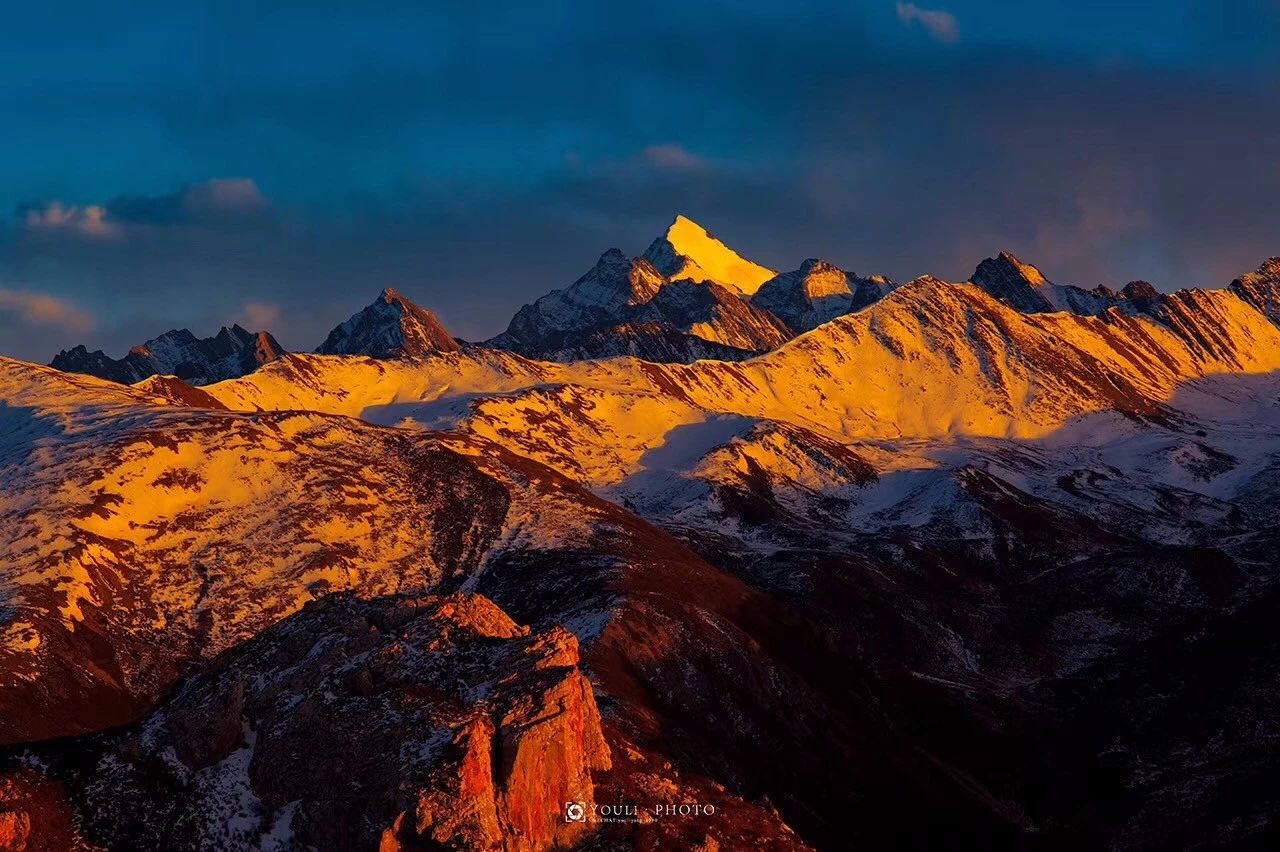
x=688 y=298
x=232 y=352
x=842 y=563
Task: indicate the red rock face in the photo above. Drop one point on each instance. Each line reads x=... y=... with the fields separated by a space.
x=397 y=723
x=35 y=815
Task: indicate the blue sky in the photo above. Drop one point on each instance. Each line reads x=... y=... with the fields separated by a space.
x=278 y=164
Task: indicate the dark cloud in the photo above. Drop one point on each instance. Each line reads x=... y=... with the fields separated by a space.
x=223 y=201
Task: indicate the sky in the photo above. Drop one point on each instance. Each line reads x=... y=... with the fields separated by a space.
x=277 y=164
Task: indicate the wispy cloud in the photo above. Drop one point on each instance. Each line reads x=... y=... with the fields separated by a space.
x=941 y=25
x=673 y=158
x=259 y=316
x=39 y=309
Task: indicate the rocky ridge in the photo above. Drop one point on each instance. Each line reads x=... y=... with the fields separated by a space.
x=231 y=353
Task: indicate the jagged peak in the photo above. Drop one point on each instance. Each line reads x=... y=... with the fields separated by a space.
x=1017 y=284
x=616 y=280
x=612 y=258
x=688 y=250
x=1006 y=263
x=392 y=326
x=1261 y=289
x=235 y=332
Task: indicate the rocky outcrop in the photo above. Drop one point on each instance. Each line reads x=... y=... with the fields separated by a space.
x=178 y=392
x=394 y=724
x=35 y=813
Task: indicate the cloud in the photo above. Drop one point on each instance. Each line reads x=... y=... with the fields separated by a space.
x=217 y=202
x=223 y=196
x=941 y=25
x=39 y=309
x=54 y=216
x=673 y=158
x=259 y=316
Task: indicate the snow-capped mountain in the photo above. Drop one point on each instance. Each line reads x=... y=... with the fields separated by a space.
x=230 y=353
x=931 y=568
x=818 y=292
x=931 y=359
x=687 y=250
x=601 y=298
x=626 y=306
x=390 y=327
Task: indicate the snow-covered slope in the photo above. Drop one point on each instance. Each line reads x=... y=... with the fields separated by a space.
x=139 y=534
x=931 y=359
x=1209 y=460
x=390 y=327
x=687 y=250
x=230 y=353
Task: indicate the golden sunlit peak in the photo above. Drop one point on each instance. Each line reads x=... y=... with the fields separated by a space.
x=683 y=223
x=688 y=250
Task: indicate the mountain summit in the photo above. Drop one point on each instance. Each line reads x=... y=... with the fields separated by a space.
x=229 y=354
x=627 y=306
x=687 y=250
x=391 y=327
x=1019 y=285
